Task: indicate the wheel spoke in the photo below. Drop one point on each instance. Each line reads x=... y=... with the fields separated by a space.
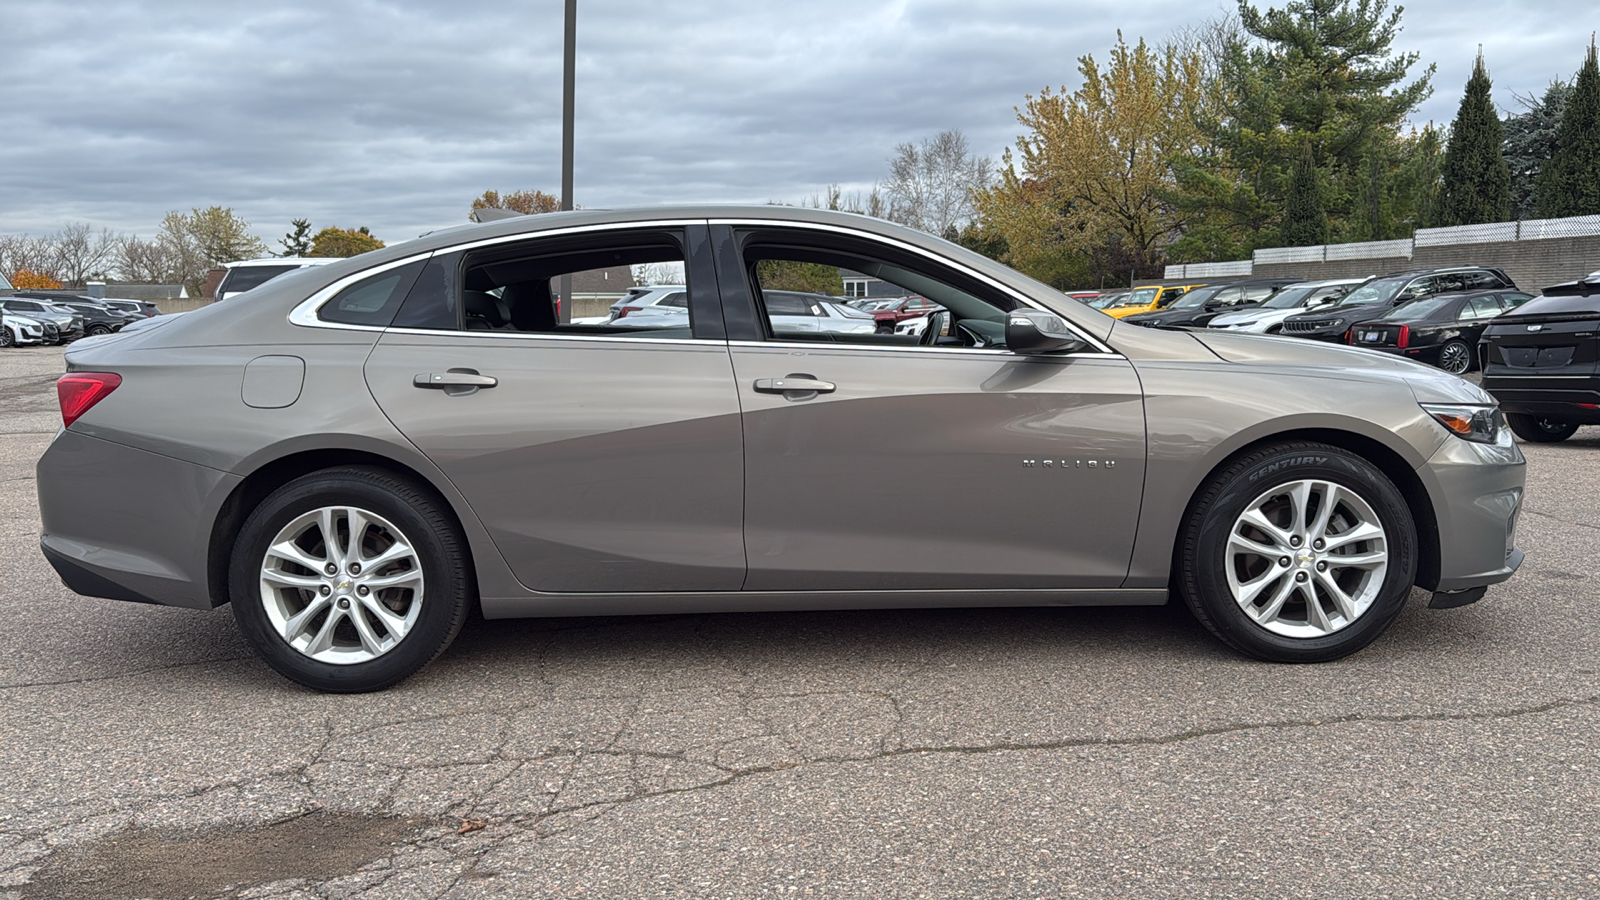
x=1250 y=590
x=284 y=579
x=357 y=523
x=295 y=626
x=330 y=535
x=411 y=578
x=1269 y=613
x=370 y=641
x=324 y=637
x=1254 y=518
x=1316 y=616
x=1364 y=531
x=397 y=550
x=1330 y=499
x=287 y=550
x=1345 y=603
x=1358 y=560
x=1300 y=506
x=394 y=623
x=1238 y=542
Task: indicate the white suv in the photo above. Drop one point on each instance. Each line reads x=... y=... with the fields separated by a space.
x=673 y=296
x=248 y=273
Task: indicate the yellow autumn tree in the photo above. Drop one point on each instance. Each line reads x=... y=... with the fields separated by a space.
x=526 y=202
x=29 y=280
x=1090 y=178
x=344 y=242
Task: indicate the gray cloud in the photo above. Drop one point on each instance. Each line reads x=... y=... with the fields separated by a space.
x=395 y=115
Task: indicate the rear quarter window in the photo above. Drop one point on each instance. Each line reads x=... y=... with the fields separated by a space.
x=373 y=300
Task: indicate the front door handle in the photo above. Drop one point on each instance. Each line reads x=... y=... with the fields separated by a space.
x=797 y=384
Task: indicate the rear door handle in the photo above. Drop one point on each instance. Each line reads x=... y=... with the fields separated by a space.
x=454 y=379
x=794 y=384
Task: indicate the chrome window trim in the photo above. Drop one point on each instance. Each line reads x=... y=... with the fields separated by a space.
x=547 y=336
x=1024 y=299
x=305 y=313
x=917 y=350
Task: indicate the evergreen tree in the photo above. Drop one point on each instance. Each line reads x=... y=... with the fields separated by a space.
x=1305 y=219
x=1477 y=182
x=1530 y=142
x=1570 y=184
x=298 y=241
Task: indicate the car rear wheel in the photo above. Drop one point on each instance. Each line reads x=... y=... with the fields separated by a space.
x=349 y=579
x=1455 y=357
x=1539 y=429
x=99 y=330
x=1298 y=552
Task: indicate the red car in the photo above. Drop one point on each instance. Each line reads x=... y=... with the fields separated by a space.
x=891 y=312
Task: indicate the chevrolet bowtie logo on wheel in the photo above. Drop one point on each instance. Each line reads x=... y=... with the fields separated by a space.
x=1069 y=463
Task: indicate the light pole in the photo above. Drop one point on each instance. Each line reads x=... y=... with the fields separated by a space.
x=569 y=71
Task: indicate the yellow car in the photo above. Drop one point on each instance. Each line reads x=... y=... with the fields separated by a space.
x=1148 y=299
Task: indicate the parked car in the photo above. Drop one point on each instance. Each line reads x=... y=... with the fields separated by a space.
x=1147 y=299
x=252 y=273
x=1542 y=361
x=1106 y=300
x=671 y=296
x=898 y=309
x=143 y=309
x=68 y=324
x=97 y=317
x=356 y=471
x=1268 y=316
x=20 y=331
x=1379 y=295
x=1441 y=330
x=791 y=312
x=1199 y=306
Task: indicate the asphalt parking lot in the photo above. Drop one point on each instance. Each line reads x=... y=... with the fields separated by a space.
x=146 y=752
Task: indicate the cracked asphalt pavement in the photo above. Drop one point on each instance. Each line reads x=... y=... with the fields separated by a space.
x=145 y=752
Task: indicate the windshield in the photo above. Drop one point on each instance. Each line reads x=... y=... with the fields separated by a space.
x=1107 y=301
x=1288 y=298
x=849 y=312
x=1380 y=291
x=1196 y=297
x=1141 y=297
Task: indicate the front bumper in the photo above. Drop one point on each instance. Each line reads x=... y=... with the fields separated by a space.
x=1477 y=492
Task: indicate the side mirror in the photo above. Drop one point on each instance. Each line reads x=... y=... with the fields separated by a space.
x=1034 y=331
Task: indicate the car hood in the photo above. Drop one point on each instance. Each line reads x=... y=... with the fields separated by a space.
x=1253 y=315
x=1430 y=385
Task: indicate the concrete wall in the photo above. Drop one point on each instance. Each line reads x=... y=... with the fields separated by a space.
x=1532 y=264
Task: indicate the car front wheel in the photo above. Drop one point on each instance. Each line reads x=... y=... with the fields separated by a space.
x=6 y=340
x=1539 y=429
x=349 y=579
x=1298 y=552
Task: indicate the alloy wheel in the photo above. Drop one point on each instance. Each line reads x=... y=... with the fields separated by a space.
x=1307 y=558
x=1455 y=358
x=341 y=585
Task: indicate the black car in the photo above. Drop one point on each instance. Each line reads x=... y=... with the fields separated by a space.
x=1441 y=330
x=1203 y=304
x=143 y=309
x=1542 y=362
x=1379 y=295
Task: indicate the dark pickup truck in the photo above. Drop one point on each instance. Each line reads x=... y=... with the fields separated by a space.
x=1542 y=362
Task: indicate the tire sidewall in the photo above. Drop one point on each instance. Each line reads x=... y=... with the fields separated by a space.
x=1206 y=573
x=444 y=593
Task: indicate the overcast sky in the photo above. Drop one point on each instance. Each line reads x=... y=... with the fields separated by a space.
x=395 y=115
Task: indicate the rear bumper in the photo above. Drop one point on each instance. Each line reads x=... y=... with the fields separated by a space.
x=1568 y=399
x=127 y=524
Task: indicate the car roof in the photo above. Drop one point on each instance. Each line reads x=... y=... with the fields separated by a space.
x=297 y=261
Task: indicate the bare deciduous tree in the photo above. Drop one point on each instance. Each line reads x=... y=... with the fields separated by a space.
x=931 y=183
x=81 y=253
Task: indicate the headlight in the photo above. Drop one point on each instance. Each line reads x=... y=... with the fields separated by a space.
x=1479 y=424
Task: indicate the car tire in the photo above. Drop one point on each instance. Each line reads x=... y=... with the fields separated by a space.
x=379 y=616
x=1455 y=357
x=97 y=330
x=6 y=338
x=1540 y=429
x=1312 y=588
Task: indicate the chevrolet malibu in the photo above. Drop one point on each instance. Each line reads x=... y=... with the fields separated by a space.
x=356 y=461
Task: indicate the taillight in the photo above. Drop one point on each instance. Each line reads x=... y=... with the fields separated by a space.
x=1405 y=335
x=80 y=391
x=625 y=310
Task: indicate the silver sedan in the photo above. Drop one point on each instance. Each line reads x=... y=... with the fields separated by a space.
x=372 y=449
